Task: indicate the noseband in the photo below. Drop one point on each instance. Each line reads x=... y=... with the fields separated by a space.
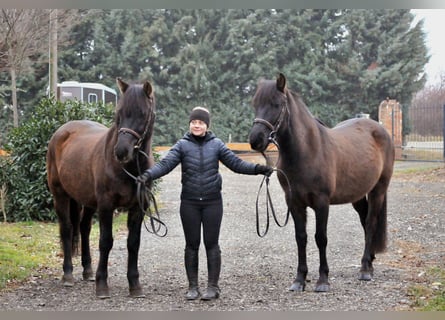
x=274 y=128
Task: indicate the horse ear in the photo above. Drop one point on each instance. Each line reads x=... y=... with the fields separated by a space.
x=123 y=86
x=281 y=82
x=148 y=88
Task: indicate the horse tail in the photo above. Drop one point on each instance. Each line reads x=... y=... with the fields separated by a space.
x=380 y=235
x=75 y=217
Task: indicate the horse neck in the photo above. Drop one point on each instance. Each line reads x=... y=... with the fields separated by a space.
x=301 y=134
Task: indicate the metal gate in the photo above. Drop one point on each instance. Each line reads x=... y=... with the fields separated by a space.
x=418 y=132
x=423 y=134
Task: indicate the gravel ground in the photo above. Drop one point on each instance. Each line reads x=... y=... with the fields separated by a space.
x=257 y=272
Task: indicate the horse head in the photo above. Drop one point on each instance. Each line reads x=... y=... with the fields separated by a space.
x=270 y=104
x=134 y=120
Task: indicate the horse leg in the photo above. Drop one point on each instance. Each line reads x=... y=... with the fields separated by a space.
x=321 y=218
x=105 y=245
x=62 y=208
x=299 y=217
x=375 y=232
x=134 y=223
x=85 y=229
x=361 y=207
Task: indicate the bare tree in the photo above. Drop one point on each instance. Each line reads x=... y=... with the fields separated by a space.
x=23 y=33
x=427 y=107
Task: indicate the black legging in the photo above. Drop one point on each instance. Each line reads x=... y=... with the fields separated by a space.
x=208 y=213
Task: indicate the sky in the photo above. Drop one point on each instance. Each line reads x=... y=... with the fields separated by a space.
x=434 y=27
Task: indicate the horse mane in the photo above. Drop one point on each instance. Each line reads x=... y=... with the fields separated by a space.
x=299 y=101
x=268 y=92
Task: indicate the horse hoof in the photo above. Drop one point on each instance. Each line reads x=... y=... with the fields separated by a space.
x=88 y=277
x=68 y=281
x=322 y=287
x=297 y=287
x=136 y=293
x=103 y=293
x=365 y=276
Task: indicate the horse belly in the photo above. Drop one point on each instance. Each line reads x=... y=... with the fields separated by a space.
x=359 y=163
x=353 y=191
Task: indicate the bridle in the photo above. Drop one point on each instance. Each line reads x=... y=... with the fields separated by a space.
x=269 y=205
x=144 y=194
x=140 y=137
x=274 y=127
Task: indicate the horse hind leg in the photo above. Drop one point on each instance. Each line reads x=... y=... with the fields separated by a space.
x=375 y=230
x=66 y=210
x=85 y=229
x=361 y=207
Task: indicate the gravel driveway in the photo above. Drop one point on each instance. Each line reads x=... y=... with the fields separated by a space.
x=257 y=272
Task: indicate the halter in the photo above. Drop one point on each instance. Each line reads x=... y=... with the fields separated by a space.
x=274 y=127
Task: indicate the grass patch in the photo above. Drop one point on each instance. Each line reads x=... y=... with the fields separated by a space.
x=27 y=248
x=430 y=296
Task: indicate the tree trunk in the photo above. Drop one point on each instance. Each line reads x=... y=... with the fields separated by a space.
x=53 y=53
x=15 y=109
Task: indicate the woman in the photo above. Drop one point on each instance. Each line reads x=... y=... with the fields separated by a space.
x=199 y=153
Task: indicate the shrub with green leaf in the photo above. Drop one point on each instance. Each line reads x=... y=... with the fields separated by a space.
x=23 y=172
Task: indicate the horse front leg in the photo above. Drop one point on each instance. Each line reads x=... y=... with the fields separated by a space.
x=299 y=217
x=85 y=230
x=321 y=217
x=105 y=245
x=134 y=223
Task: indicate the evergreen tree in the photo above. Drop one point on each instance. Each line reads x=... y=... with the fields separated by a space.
x=341 y=61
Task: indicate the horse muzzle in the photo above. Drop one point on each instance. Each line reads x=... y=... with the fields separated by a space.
x=258 y=140
x=124 y=153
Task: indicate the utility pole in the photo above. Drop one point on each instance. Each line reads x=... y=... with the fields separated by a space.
x=53 y=52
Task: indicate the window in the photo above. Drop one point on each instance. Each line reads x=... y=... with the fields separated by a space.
x=92 y=98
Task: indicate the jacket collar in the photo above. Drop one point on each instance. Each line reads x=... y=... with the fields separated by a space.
x=209 y=136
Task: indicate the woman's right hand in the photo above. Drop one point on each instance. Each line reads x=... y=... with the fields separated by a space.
x=144 y=178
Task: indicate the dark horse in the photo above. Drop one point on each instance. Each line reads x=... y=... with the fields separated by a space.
x=350 y=163
x=85 y=165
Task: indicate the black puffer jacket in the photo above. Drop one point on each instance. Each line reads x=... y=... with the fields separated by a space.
x=201 y=179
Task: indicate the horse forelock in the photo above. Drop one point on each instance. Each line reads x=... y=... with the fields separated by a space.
x=135 y=99
x=266 y=93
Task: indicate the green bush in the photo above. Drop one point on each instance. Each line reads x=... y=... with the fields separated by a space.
x=23 y=172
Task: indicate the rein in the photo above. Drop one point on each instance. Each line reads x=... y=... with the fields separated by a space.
x=145 y=196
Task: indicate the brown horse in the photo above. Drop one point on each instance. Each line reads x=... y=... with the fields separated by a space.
x=85 y=167
x=350 y=163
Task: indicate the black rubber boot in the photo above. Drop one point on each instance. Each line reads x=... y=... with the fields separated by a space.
x=214 y=269
x=191 y=261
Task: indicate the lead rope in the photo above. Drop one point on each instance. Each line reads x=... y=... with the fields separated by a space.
x=144 y=197
x=269 y=204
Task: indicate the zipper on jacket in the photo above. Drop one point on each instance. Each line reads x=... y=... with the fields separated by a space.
x=201 y=166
